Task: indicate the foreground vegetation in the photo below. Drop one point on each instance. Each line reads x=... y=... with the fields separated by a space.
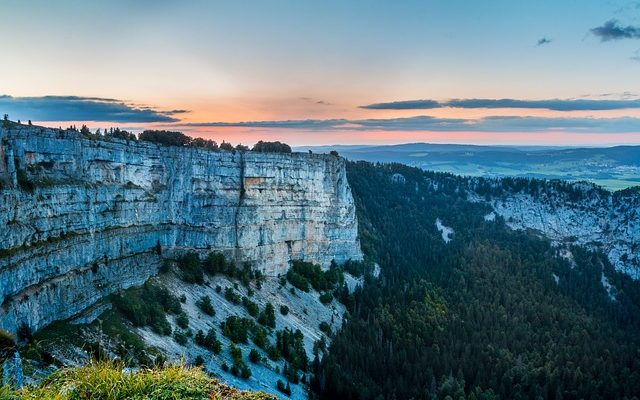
x=108 y=381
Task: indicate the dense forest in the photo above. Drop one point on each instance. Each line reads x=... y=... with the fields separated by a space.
x=494 y=313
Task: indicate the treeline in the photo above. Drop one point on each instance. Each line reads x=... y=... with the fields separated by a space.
x=175 y=138
x=480 y=317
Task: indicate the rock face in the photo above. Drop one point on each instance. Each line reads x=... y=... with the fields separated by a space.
x=82 y=218
x=597 y=219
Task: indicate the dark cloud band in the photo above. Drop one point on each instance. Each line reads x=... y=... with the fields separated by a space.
x=427 y=123
x=74 y=108
x=551 y=104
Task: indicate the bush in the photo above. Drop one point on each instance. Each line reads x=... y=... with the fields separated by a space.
x=326 y=297
x=237 y=329
x=232 y=296
x=259 y=336
x=205 y=305
x=268 y=316
x=286 y=389
x=284 y=310
x=182 y=320
x=199 y=361
x=191 y=269
x=254 y=356
x=271 y=147
x=252 y=308
x=180 y=338
x=302 y=273
x=209 y=342
x=245 y=372
x=148 y=306
x=325 y=327
x=167 y=138
x=236 y=354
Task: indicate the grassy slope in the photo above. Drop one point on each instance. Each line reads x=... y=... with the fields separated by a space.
x=108 y=382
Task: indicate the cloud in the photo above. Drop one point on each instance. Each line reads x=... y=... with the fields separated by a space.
x=544 y=40
x=405 y=105
x=75 y=108
x=612 y=30
x=550 y=104
x=428 y=123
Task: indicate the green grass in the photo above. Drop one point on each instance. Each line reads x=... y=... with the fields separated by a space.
x=107 y=381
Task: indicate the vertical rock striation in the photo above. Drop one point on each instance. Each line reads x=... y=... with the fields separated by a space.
x=81 y=218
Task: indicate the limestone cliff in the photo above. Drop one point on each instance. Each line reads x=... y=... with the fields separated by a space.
x=82 y=217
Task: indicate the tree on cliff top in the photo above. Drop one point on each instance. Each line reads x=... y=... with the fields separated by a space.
x=271 y=147
x=169 y=138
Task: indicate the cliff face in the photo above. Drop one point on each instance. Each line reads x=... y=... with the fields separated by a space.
x=82 y=218
x=598 y=220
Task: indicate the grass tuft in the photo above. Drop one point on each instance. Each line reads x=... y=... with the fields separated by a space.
x=108 y=381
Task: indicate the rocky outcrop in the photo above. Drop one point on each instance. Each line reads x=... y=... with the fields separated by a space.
x=597 y=219
x=83 y=217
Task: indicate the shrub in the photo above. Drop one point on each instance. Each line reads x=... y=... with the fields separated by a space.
x=191 y=270
x=271 y=147
x=245 y=372
x=209 y=341
x=286 y=389
x=180 y=338
x=237 y=329
x=259 y=336
x=252 y=308
x=167 y=138
x=232 y=296
x=205 y=305
x=325 y=327
x=268 y=316
x=302 y=274
x=182 y=320
x=147 y=306
x=236 y=354
x=199 y=361
x=284 y=310
x=326 y=297
x=254 y=356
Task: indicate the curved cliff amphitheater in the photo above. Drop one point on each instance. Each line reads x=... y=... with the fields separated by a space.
x=82 y=217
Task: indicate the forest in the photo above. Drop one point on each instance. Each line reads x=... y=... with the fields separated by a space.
x=494 y=313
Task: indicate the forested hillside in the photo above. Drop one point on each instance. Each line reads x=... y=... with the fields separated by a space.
x=492 y=313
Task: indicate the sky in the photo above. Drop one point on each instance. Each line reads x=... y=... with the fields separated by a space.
x=553 y=72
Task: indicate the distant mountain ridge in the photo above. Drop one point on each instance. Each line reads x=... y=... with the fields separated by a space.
x=613 y=168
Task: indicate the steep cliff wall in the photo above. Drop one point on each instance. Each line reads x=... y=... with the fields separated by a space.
x=81 y=218
x=600 y=220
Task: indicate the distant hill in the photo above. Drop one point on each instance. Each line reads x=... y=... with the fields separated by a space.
x=613 y=168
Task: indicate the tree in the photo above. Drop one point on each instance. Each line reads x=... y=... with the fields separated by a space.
x=226 y=146
x=268 y=316
x=271 y=147
x=254 y=356
x=168 y=138
x=205 y=305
